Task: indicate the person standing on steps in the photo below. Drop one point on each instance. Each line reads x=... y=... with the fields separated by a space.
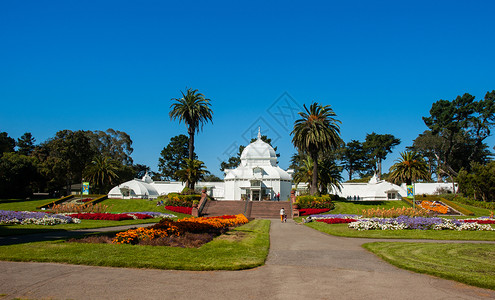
x=282 y=214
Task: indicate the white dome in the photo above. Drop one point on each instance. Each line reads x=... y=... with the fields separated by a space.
x=258 y=153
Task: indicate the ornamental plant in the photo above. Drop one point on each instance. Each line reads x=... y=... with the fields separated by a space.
x=179 y=209
x=336 y=220
x=312 y=211
x=394 y=212
x=79 y=208
x=36 y=218
x=434 y=206
x=307 y=201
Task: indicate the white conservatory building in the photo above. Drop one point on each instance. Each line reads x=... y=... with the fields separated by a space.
x=258 y=177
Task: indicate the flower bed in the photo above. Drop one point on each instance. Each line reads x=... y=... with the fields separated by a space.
x=36 y=218
x=421 y=223
x=336 y=220
x=180 y=209
x=312 y=211
x=166 y=228
x=479 y=221
x=394 y=212
x=434 y=206
x=111 y=216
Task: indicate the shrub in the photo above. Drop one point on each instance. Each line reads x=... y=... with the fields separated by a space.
x=174 y=199
x=308 y=201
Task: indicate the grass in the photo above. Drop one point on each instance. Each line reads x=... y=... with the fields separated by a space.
x=478 y=211
x=472 y=264
x=241 y=248
x=345 y=231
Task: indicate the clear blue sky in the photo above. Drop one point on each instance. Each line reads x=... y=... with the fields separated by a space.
x=94 y=65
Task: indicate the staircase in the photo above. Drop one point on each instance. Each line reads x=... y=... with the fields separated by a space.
x=251 y=209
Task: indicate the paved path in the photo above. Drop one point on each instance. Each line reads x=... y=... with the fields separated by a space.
x=303 y=264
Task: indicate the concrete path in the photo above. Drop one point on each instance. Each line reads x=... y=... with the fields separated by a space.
x=303 y=264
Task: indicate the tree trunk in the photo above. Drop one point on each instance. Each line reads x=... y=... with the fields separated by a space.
x=350 y=174
x=379 y=167
x=191 y=143
x=314 y=183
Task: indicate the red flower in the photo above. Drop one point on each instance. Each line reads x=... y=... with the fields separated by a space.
x=336 y=220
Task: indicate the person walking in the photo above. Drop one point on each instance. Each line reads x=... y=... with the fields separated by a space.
x=282 y=214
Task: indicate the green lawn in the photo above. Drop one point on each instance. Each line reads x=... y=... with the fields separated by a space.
x=472 y=264
x=356 y=208
x=478 y=212
x=241 y=248
x=345 y=231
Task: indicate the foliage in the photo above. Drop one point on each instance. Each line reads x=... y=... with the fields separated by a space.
x=472 y=202
x=324 y=201
x=174 y=199
x=212 y=178
x=192 y=172
x=354 y=158
x=394 y=212
x=194 y=110
x=18 y=175
x=410 y=168
x=7 y=144
x=25 y=144
x=478 y=184
x=329 y=177
x=315 y=132
x=461 y=126
x=113 y=144
x=377 y=147
x=102 y=173
x=172 y=157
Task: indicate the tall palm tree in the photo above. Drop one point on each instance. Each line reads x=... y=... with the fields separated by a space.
x=193 y=171
x=194 y=109
x=410 y=167
x=102 y=173
x=329 y=174
x=315 y=132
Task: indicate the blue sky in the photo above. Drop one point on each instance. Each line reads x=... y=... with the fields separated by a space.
x=94 y=65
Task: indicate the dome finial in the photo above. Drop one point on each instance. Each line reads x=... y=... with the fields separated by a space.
x=259 y=132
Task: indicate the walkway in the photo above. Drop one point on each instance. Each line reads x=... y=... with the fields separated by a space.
x=303 y=264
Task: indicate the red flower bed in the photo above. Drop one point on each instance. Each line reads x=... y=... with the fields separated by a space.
x=312 y=211
x=180 y=209
x=479 y=221
x=102 y=216
x=142 y=216
x=336 y=220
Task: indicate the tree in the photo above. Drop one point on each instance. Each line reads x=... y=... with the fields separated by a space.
x=378 y=146
x=315 y=132
x=102 y=173
x=479 y=183
x=211 y=178
x=7 y=144
x=353 y=157
x=462 y=125
x=192 y=172
x=328 y=173
x=112 y=143
x=18 y=175
x=194 y=110
x=25 y=144
x=70 y=152
x=410 y=168
x=172 y=157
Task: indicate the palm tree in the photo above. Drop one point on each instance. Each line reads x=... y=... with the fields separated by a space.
x=193 y=171
x=411 y=167
x=102 y=172
x=194 y=110
x=315 y=132
x=329 y=174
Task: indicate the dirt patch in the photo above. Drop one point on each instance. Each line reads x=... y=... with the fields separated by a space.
x=234 y=236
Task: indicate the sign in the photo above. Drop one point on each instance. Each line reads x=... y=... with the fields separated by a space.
x=85 y=188
x=410 y=191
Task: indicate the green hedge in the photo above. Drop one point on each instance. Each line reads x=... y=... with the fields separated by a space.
x=325 y=201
